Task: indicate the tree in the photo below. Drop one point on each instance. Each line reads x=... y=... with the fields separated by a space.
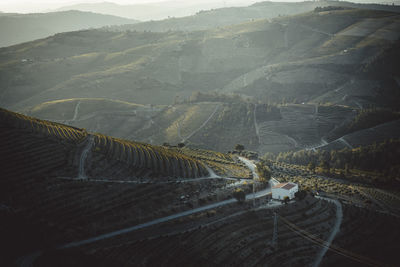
x=239 y=147
x=324 y=165
x=311 y=166
x=239 y=195
x=180 y=145
x=263 y=171
x=286 y=199
x=347 y=169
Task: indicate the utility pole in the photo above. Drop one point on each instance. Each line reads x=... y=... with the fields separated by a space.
x=275 y=231
x=254 y=194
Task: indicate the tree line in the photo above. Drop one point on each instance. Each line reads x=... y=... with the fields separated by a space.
x=382 y=158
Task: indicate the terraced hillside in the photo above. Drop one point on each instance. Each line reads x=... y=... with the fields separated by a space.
x=370 y=215
x=374 y=235
x=111 y=117
x=142 y=160
x=61 y=183
x=341 y=48
x=204 y=124
x=365 y=137
x=46 y=210
x=36 y=148
x=301 y=126
x=220 y=237
x=316 y=56
x=96 y=156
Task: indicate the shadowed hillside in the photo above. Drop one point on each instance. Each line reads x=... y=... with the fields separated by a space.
x=53 y=149
x=63 y=183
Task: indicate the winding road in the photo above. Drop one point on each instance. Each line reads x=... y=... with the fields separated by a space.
x=259 y=194
x=27 y=260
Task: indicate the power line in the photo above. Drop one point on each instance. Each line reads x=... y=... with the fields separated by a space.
x=333 y=248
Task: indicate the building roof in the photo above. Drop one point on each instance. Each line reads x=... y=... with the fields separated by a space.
x=286 y=186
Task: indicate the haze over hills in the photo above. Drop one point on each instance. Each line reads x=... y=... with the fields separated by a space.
x=19 y=28
x=341 y=56
x=271 y=60
x=153 y=11
x=206 y=18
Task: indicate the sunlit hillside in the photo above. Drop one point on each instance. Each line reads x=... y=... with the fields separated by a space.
x=312 y=57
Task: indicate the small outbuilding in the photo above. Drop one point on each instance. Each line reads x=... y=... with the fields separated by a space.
x=282 y=190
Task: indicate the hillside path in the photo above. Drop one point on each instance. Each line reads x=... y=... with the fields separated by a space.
x=257 y=128
x=184 y=139
x=76 y=111
x=83 y=157
x=341 y=139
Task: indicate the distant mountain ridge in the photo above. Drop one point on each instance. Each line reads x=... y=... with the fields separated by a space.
x=18 y=28
x=153 y=11
x=164 y=16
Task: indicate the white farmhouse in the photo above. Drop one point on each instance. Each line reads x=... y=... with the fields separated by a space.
x=282 y=190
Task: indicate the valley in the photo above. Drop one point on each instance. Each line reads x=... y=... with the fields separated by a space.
x=259 y=135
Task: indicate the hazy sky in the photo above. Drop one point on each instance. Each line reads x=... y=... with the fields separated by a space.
x=24 y=6
x=27 y=6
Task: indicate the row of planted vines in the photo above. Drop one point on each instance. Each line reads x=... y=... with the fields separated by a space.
x=160 y=161
x=42 y=127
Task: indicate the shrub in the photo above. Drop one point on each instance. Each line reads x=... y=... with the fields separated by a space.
x=239 y=195
x=180 y=145
x=286 y=199
x=239 y=147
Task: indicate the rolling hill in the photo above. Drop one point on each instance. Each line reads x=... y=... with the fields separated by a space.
x=317 y=68
x=208 y=19
x=328 y=56
x=151 y=11
x=60 y=183
x=189 y=16
x=117 y=155
x=20 y=28
x=36 y=148
x=204 y=122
